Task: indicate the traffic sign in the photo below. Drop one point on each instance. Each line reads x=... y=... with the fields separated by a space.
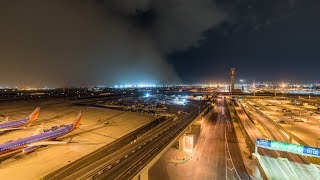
x=287 y=147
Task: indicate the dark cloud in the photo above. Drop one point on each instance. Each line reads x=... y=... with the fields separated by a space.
x=94 y=42
x=177 y=24
x=128 y=7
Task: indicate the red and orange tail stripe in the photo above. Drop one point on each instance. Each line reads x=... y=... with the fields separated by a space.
x=77 y=121
x=34 y=115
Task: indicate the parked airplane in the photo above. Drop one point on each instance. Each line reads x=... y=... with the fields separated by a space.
x=20 y=124
x=45 y=138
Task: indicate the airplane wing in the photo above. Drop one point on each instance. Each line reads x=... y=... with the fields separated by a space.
x=11 y=129
x=6 y=119
x=46 y=143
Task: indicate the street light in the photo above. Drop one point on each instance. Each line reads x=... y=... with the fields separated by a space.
x=199 y=109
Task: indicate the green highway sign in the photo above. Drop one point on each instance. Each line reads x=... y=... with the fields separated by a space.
x=282 y=146
x=287 y=147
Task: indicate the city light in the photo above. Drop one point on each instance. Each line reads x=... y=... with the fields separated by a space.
x=135 y=86
x=283 y=85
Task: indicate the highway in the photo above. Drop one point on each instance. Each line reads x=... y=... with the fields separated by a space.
x=275 y=134
x=298 y=133
x=248 y=125
x=278 y=126
x=278 y=164
x=254 y=133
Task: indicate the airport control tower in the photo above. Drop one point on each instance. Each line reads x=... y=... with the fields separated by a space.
x=232 y=78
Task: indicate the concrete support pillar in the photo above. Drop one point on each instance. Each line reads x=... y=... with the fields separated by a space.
x=189 y=143
x=189 y=129
x=182 y=142
x=144 y=175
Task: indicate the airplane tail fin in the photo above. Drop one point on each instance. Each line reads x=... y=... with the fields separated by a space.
x=76 y=122
x=34 y=115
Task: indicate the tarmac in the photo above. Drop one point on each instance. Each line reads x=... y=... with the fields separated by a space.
x=98 y=128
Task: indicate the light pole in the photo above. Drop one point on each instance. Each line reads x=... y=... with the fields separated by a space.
x=291 y=132
x=199 y=109
x=300 y=114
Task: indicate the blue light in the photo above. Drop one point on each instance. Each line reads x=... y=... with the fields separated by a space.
x=178 y=101
x=133 y=85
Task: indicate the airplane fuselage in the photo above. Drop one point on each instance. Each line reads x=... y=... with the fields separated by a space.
x=20 y=124
x=23 y=142
x=14 y=124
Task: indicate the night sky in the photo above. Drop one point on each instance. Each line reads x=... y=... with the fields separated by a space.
x=84 y=42
x=269 y=41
